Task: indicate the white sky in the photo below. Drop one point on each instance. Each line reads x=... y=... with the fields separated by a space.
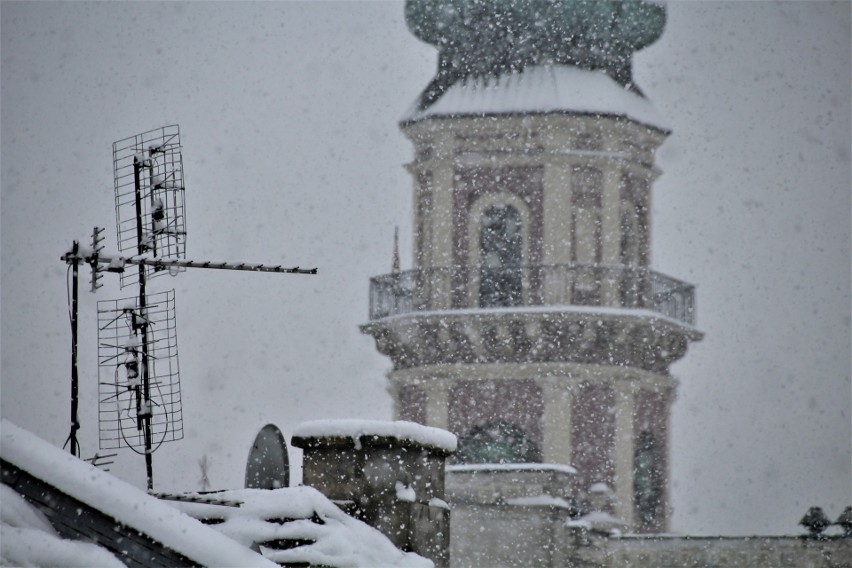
x=292 y=155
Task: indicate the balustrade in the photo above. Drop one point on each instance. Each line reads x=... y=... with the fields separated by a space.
x=459 y=288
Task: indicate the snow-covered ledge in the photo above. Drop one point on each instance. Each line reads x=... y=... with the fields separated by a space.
x=526 y=484
x=377 y=431
x=388 y=474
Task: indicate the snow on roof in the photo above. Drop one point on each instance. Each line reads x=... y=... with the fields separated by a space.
x=600 y=487
x=331 y=537
x=541 y=89
x=28 y=539
x=122 y=501
x=357 y=429
x=603 y=522
x=511 y=467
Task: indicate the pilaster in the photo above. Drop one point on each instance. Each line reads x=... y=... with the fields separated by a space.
x=437 y=404
x=624 y=441
x=557 y=213
x=611 y=214
x=556 y=420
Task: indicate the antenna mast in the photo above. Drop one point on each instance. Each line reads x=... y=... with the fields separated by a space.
x=139 y=393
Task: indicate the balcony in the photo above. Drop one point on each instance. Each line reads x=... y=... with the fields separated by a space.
x=462 y=288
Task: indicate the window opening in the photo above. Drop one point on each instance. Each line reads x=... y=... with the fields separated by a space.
x=647 y=479
x=501 y=253
x=497 y=442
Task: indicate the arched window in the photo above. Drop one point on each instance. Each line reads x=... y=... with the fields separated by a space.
x=497 y=442
x=500 y=257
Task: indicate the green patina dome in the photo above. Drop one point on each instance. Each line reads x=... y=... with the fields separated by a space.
x=491 y=37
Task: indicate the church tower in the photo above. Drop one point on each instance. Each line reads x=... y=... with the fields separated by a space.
x=531 y=324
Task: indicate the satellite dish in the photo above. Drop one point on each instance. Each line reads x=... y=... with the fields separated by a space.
x=268 y=465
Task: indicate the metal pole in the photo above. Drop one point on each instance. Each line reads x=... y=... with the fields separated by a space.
x=143 y=421
x=75 y=425
x=180 y=263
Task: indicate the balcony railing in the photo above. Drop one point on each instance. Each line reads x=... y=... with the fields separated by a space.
x=605 y=286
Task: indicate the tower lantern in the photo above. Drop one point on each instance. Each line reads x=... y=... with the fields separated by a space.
x=531 y=324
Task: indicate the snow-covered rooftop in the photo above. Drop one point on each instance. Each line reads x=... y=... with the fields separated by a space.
x=541 y=89
x=119 y=500
x=28 y=539
x=358 y=429
x=326 y=535
x=323 y=533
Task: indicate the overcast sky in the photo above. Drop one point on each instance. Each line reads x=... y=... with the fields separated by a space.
x=292 y=154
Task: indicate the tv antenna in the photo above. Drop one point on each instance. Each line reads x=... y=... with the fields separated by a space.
x=139 y=402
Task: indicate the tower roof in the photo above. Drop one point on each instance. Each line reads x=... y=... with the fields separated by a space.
x=477 y=39
x=540 y=89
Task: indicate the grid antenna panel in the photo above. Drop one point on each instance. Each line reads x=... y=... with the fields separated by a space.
x=121 y=354
x=150 y=199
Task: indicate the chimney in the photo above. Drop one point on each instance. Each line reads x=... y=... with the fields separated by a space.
x=388 y=474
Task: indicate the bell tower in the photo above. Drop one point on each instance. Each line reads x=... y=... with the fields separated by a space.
x=531 y=324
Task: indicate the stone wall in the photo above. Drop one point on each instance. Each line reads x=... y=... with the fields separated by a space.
x=510 y=514
x=527 y=515
x=719 y=552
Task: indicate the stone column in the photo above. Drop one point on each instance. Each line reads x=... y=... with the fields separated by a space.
x=556 y=420
x=442 y=233
x=624 y=448
x=423 y=195
x=437 y=403
x=557 y=212
x=611 y=229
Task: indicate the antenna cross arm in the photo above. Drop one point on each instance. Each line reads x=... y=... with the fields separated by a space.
x=117 y=262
